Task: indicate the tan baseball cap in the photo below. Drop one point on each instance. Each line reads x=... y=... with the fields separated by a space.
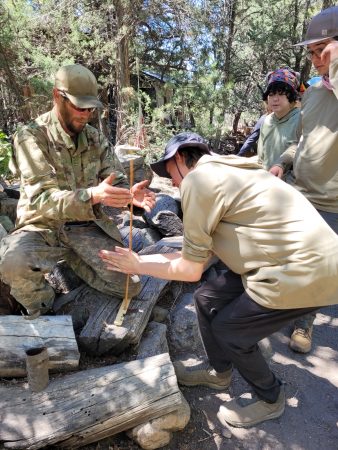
x=322 y=26
x=79 y=85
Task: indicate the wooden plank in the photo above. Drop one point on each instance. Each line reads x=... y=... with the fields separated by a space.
x=18 y=335
x=83 y=407
x=100 y=335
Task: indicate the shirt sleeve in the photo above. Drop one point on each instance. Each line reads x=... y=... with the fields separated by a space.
x=286 y=158
x=333 y=76
x=253 y=138
x=203 y=208
x=39 y=180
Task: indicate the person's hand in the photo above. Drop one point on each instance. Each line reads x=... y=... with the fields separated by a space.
x=330 y=52
x=143 y=197
x=110 y=195
x=121 y=260
x=277 y=171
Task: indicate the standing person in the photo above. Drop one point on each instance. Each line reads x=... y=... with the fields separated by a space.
x=281 y=128
x=275 y=261
x=251 y=140
x=315 y=159
x=67 y=173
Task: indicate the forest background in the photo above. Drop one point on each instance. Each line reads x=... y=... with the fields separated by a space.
x=163 y=66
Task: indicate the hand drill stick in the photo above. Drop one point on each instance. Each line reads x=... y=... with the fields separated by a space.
x=125 y=303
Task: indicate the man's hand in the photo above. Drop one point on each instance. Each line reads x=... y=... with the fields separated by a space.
x=330 y=52
x=110 y=195
x=277 y=171
x=143 y=197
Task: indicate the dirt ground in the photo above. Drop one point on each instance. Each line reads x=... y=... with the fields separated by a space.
x=310 y=421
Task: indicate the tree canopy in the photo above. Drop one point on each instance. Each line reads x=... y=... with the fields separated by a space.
x=206 y=59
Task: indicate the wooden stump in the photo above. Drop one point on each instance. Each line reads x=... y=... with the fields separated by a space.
x=87 y=406
x=18 y=335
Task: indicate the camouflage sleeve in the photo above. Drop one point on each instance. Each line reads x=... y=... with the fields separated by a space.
x=111 y=163
x=39 y=182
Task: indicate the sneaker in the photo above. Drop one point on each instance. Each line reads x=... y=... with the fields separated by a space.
x=301 y=339
x=201 y=374
x=248 y=412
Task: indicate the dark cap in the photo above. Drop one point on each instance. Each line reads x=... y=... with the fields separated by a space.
x=322 y=26
x=79 y=85
x=181 y=140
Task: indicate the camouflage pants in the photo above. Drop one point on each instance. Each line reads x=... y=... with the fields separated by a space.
x=26 y=256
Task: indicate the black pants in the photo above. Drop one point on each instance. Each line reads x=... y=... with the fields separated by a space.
x=231 y=324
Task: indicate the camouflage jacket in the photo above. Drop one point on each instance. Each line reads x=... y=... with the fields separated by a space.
x=56 y=177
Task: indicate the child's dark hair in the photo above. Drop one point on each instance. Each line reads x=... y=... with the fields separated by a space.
x=279 y=87
x=192 y=155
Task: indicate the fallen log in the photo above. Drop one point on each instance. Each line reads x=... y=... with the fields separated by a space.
x=18 y=335
x=87 y=406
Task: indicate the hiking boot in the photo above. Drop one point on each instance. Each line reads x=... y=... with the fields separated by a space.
x=244 y=412
x=301 y=339
x=201 y=374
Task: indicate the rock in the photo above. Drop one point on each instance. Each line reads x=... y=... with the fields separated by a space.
x=226 y=433
x=159 y=314
x=150 y=236
x=137 y=238
x=3 y=232
x=8 y=304
x=164 y=202
x=141 y=238
x=6 y=222
x=158 y=432
x=138 y=221
x=266 y=348
x=183 y=332
x=63 y=279
x=13 y=191
x=142 y=171
x=168 y=223
x=164 y=216
x=8 y=207
x=165 y=186
x=154 y=341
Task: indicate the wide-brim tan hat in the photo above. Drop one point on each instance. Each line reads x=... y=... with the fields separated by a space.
x=79 y=85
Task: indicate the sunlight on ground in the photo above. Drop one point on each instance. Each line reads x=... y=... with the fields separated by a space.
x=322 y=362
x=322 y=319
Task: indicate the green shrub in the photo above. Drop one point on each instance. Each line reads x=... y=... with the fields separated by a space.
x=5 y=154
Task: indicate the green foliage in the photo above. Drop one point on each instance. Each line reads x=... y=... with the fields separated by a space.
x=5 y=154
x=210 y=55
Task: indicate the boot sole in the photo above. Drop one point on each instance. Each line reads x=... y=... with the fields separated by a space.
x=298 y=349
x=271 y=416
x=209 y=385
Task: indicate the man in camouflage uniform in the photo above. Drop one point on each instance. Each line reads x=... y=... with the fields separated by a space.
x=67 y=175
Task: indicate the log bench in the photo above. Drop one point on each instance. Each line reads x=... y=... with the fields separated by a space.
x=87 y=406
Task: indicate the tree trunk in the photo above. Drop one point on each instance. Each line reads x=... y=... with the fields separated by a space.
x=236 y=121
x=122 y=70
